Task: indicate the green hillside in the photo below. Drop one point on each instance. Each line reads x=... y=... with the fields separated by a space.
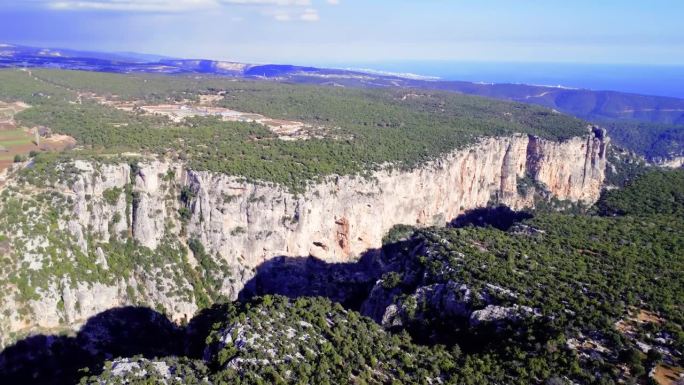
x=585 y=298
x=359 y=129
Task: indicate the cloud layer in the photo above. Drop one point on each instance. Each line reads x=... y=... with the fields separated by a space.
x=280 y=10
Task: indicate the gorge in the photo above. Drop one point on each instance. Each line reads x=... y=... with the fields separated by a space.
x=233 y=226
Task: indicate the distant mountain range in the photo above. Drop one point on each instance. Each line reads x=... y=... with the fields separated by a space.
x=651 y=125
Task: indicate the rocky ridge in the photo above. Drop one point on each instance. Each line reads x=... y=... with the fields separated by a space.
x=162 y=205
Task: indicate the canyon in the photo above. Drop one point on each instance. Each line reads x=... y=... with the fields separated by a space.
x=243 y=224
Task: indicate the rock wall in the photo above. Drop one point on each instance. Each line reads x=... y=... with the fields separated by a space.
x=247 y=223
x=344 y=216
x=243 y=224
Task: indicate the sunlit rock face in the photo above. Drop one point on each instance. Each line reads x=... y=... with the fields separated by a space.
x=244 y=224
x=339 y=219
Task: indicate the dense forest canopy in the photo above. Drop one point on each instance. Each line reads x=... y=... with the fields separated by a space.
x=652 y=140
x=657 y=192
x=598 y=301
x=360 y=129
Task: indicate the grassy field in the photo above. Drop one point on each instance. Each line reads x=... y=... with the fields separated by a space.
x=15 y=138
x=14 y=142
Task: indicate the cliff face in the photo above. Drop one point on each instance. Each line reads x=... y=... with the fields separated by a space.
x=345 y=216
x=242 y=224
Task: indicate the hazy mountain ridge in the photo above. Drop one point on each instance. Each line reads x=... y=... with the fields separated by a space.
x=649 y=125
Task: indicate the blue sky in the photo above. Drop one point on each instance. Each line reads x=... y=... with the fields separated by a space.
x=354 y=31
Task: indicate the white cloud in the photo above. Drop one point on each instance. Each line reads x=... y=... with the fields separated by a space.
x=163 y=5
x=133 y=5
x=309 y=14
x=282 y=17
x=281 y=3
x=279 y=10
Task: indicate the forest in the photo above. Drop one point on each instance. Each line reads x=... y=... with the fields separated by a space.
x=360 y=129
x=603 y=292
x=655 y=141
x=589 y=296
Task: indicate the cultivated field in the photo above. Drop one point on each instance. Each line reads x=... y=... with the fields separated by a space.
x=15 y=140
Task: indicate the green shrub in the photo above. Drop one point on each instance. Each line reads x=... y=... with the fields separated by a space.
x=111 y=195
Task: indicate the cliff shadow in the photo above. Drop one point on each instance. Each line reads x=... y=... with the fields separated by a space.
x=119 y=332
x=346 y=283
x=500 y=217
x=350 y=283
x=141 y=331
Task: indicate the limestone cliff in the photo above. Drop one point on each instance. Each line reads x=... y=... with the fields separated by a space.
x=345 y=216
x=242 y=224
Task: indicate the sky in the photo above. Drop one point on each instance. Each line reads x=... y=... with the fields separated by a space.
x=335 y=32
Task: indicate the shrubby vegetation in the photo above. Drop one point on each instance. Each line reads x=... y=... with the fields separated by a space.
x=582 y=276
x=311 y=340
x=141 y=371
x=624 y=166
x=652 y=140
x=398 y=233
x=31 y=214
x=657 y=192
x=62 y=257
x=361 y=129
x=210 y=274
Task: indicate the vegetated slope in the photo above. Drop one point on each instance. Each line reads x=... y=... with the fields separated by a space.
x=658 y=192
x=655 y=141
x=650 y=125
x=577 y=280
x=274 y=340
x=557 y=299
x=363 y=129
x=624 y=166
x=590 y=104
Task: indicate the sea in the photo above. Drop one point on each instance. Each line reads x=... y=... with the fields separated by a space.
x=660 y=80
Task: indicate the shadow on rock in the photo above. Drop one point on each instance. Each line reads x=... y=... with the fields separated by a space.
x=140 y=331
x=346 y=283
x=132 y=331
x=126 y=331
x=500 y=217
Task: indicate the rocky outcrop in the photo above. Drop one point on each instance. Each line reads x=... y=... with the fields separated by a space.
x=676 y=162
x=248 y=223
x=573 y=170
x=448 y=300
x=499 y=314
x=344 y=216
x=243 y=224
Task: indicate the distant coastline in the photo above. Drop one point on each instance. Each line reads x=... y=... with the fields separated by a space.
x=632 y=78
